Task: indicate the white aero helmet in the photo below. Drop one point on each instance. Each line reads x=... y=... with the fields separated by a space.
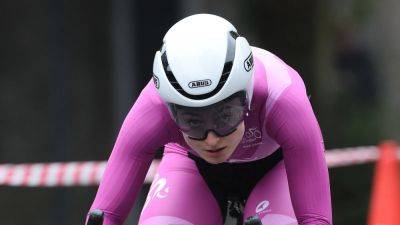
x=202 y=61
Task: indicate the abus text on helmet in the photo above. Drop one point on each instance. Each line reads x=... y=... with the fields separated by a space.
x=200 y=83
x=248 y=63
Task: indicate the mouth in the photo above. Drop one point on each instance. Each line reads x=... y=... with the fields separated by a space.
x=215 y=150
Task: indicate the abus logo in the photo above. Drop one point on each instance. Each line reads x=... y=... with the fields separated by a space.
x=248 y=63
x=156 y=81
x=200 y=83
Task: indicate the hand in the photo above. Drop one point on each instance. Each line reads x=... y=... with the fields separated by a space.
x=253 y=220
x=95 y=217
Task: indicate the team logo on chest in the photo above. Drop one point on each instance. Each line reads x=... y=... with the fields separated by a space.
x=252 y=137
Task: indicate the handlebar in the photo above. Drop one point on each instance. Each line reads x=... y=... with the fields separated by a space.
x=96 y=218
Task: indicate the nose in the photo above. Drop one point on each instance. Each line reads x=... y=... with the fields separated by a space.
x=212 y=139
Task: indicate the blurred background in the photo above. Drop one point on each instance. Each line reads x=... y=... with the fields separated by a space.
x=71 y=70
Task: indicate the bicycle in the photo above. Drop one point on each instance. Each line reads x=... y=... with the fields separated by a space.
x=96 y=217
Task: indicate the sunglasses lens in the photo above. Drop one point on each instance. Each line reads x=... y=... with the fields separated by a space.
x=222 y=118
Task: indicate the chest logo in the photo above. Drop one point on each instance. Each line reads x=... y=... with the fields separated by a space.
x=252 y=137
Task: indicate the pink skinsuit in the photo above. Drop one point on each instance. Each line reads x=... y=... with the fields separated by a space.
x=295 y=191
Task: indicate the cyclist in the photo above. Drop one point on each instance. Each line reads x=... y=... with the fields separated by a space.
x=237 y=128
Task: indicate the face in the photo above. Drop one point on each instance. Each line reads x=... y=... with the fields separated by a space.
x=216 y=149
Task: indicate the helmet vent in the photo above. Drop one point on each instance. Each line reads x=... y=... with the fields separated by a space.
x=170 y=75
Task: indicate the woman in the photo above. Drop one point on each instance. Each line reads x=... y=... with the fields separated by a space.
x=239 y=132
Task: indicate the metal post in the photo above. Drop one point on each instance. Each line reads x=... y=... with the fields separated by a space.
x=123 y=55
x=60 y=102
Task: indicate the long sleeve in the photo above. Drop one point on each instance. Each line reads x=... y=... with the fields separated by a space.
x=144 y=130
x=292 y=123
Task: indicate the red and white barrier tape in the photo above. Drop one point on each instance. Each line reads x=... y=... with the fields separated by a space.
x=351 y=156
x=90 y=173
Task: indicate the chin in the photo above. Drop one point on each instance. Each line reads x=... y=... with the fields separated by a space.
x=216 y=160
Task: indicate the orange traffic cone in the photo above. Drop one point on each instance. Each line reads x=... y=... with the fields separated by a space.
x=385 y=199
